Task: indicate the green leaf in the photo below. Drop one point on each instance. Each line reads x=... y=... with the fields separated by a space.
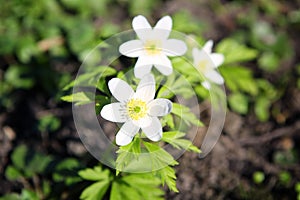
x=95 y=191
x=11 y=196
x=19 y=77
x=235 y=52
x=128 y=153
x=18 y=156
x=91 y=78
x=239 y=78
x=158 y=157
x=12 y=173
x=175 y=138
x=49 y=123
x=29 y=195
x=137 y=186
x=269 y=61
x=168 y=177
x=238 y=103
x=95 y=174
x=66 y=171
x=261 y=108
x=176 y=85
x=80 y=98
x=186 y=114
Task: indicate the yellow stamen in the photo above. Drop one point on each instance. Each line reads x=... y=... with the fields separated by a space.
x=152 y=47
x=136 y=109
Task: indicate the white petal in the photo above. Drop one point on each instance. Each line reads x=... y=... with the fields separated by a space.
x=163 y=64
x=199 y=55
x=154 y=130
x=214 y=76
x=163 y=27
x=120 y=89
x=146 y=88
x=126 y=133
x=206 y=85
x=142 y=27
x=114 y=112
x=208 y=46
x=160 y=107
x=142 y=67
x=143 y=122
x=133 y=48
x=174 y=47
x=217 y=59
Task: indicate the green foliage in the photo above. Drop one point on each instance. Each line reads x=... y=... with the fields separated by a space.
x=235 y=52
x=49 y=123
x=285 y=178
x=26 y=163
x=258 y=177
x=168 y=176
x=136 y=186
x=186 y=115
x=238 y=103
x=96 y=190
x=175 y=138
x=127 y=186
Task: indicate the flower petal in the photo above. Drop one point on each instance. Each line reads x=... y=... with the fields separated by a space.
x=154 y=130
x=143 y=122
x=214 y=76
x=160 y=107
x=146 y=88
x=163 y=64
x=174 y=47
x=199 y=55
x=206 y=85
x=163 y=27
x=141 y=27
x=114 y=112
x=217 y=59
x=126 y=133
x=208 y=46
x=120 y=89
x=133 y=48
x=143 y=66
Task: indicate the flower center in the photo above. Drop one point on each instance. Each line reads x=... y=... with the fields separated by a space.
x=152 y=47
x=203 y=65
x=136 y=109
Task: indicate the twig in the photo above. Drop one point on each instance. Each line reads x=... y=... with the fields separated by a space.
x=286 y=131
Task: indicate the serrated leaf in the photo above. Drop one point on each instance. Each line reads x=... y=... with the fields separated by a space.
x=95 y=191
x=186 y=114
x=95 y=174
x=175 y=138
x=79 y=98
x=128 y=153
x=168 y=177
x=176 y=85
x=137 y=186
x=91 y=78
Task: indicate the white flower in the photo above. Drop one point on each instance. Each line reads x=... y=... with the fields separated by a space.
x=153 y=46
x=136 y=109
x=207 y=62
